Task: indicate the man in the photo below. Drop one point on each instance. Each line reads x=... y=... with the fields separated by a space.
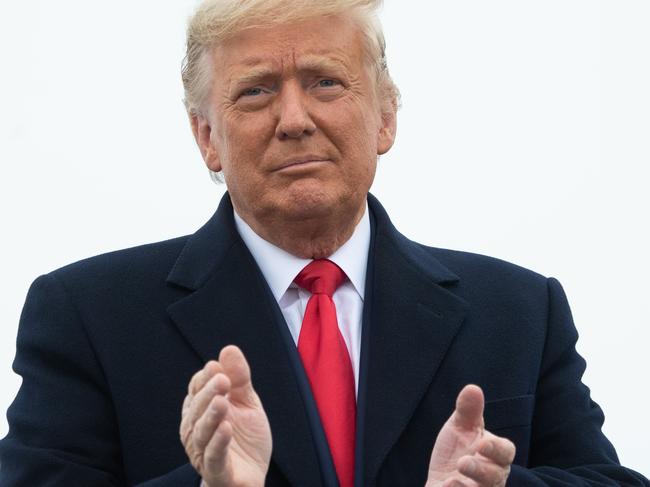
x=348 y=353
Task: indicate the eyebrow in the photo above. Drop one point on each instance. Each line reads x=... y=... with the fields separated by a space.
x=317 y=63
x=255 y=74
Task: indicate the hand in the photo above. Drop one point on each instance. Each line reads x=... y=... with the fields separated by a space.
x=465 y=454
x=224 y=428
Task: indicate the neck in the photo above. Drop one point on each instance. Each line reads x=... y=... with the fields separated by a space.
x=308 y=238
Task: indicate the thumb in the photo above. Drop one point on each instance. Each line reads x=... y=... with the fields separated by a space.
x=238 y=371
x=469 y=408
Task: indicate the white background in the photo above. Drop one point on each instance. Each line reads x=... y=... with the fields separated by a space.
x=524 y=134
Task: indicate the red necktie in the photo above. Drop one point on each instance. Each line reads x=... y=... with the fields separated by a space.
x=327 y=363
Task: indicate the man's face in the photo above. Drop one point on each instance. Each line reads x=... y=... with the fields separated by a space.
x=294 y=121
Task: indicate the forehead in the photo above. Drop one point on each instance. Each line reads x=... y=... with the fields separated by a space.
x=327 y=41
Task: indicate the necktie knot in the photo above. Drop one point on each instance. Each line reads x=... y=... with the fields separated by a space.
x=320 y=276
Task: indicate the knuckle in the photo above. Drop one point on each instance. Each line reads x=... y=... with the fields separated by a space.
x=187 y=402
x=212 y=455
x=183 y=430
x=512 y=450
x=210 y=459
x=197 y=439
x=187 y=439
x=196 y=377
x=196 y=459
x=185 y=435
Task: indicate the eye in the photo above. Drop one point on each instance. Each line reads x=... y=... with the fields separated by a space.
x=327 y=83
x=251 y=91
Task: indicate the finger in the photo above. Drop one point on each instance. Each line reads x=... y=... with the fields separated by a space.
x=500 y=450
x=219 y=385
x=208 y=423
x=236 y=367
x=458 y=481
x=193 y=407
x=202 y=377
x=215 y=453
x=483 y=471
x=186 y=402
x=469 y=408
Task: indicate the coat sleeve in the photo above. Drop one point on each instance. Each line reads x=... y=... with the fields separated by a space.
x=568 y=448
x=62 y=425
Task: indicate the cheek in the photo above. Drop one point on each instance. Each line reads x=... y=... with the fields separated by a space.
x=352 y=132
x=364 y=123
x=359 y=156
x=361 y=140
x=242 y=142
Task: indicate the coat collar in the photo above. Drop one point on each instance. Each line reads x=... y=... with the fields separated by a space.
x=411 y=322
x=206 y=248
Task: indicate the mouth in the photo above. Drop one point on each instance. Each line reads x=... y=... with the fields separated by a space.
x=304 y=162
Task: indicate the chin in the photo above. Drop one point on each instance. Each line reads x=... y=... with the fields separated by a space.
x=315 y=202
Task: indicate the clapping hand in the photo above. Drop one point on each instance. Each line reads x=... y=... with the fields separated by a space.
x=224 y=428
x=465 y=454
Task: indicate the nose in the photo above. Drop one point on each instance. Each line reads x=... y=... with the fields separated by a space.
x=294 y=120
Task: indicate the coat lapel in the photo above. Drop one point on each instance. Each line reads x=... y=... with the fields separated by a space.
x=230 y=304
x=412 y=322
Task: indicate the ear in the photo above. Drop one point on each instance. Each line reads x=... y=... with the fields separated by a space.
x=202 y=130
x=387 y=131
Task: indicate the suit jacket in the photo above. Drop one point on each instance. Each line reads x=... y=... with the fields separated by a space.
x=107 y=346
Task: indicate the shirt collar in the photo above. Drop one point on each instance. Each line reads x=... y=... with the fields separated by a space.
x=280 y=268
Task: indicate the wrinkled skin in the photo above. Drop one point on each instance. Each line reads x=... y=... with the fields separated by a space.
x=224 y=428
x=295 y=122
x=465 y=454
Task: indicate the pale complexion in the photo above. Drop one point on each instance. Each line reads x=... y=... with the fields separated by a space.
x=295 y=122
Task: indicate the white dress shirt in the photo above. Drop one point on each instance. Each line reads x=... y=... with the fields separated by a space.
x=280 y=268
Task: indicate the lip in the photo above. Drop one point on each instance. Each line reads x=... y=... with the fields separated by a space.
x=302 y=161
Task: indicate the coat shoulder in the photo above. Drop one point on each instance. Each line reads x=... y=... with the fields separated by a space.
x=492 y=276
x=130 y=267
x=462 y=262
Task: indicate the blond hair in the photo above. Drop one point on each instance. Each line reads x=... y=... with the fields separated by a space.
x=215 y=21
